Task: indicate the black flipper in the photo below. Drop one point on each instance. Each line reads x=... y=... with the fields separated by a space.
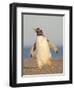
x=47 y=40
x=34 y=48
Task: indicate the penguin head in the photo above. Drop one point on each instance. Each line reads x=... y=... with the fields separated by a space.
x=38 y=31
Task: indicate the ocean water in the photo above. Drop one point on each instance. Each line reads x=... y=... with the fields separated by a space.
x=26 y=53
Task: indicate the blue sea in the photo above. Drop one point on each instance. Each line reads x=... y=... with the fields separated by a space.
x=26 y=52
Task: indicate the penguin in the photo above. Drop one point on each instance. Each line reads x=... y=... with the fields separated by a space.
x=41 y=49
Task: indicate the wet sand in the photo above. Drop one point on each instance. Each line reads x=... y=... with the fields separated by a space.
x=30 y=67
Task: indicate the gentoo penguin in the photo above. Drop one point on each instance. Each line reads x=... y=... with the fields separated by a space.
x=41 y=49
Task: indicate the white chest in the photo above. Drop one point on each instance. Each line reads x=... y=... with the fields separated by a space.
x=43 y=52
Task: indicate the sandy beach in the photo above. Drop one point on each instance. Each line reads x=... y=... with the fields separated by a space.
x=30 y=67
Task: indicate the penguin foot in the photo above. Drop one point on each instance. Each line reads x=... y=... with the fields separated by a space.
x=50 y=62
x=39 y=67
